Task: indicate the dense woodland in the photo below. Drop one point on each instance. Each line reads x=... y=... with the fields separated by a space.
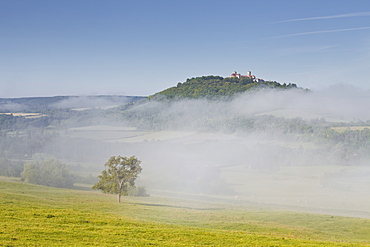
x=214 y=87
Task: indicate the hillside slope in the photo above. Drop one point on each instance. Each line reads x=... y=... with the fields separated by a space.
x=36 y=215
x=37 y=104
x=211 y=87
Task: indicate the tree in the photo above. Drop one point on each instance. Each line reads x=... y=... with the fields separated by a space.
x=119 y=176
x=48 y=172
x=10 y=168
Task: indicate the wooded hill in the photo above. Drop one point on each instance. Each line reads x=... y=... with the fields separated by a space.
x=211 y=87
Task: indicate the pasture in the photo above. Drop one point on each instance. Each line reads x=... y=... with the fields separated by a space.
x=40 y=216
x=339 y=190
x=171 y=156
x=343 y=129
x=124 y=134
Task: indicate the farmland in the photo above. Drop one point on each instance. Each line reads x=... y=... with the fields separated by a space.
x=216 y=178
x=25 y=114
x=123 y=134
x=228 y=173
x=35 y=215
x=343 y=129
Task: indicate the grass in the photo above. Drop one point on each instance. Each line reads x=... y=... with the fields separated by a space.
x=124 y=134
x=302 y=187
x=343 y=129
x=33 y=215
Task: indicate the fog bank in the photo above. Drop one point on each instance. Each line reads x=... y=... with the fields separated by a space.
x=263 y=146
x=307 y=150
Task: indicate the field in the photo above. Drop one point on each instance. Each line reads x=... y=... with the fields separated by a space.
x=342 y=129
x=26 y=115
x=40 y=216
x=124 y=134
x=305 y=188
x=170 y=155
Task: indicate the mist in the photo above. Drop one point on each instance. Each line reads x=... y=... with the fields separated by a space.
x=63 y=102
x=252 y=148
x=277 y=148
x=88 y=102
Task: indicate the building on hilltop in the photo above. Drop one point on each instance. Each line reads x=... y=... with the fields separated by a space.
x=248 y=75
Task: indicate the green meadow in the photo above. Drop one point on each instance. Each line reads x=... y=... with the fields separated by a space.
x=32 y=215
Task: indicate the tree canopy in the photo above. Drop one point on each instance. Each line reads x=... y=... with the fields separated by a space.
x=48 y=172
x=119 y=176
x=215 y=86
x=10 y=168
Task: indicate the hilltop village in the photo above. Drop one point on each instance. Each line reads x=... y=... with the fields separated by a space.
x=248 y=75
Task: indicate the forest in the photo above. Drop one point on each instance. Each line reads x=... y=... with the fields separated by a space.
x=214 y=87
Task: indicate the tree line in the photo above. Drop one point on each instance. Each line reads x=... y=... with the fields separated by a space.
x=24 y=141
x=43 y=170
x=119 y=177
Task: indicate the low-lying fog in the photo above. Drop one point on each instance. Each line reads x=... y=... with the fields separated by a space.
x=235 y=151
x=262 y=163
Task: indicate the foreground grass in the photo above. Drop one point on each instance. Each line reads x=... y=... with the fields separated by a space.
x=39 y=216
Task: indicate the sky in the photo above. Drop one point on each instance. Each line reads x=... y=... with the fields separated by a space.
x=138 y=48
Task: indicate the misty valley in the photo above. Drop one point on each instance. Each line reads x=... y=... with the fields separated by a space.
x=184 y=123
x=270 y=147
x=273 y=165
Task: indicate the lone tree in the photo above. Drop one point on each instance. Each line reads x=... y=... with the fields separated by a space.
x=119 y=176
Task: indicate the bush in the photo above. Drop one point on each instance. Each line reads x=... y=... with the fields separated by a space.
x=10 y=168
x=48 y=172
x=138 y=191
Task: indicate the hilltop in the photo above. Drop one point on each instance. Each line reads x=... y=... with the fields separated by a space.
x=212 y=87
x=208 y=87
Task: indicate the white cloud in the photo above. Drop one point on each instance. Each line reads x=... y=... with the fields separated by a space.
x=322 y=31
x=358 y=14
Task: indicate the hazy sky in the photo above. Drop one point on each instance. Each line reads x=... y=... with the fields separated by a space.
x=82 y=47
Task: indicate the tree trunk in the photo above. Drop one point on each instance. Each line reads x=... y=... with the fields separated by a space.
x=120 y=184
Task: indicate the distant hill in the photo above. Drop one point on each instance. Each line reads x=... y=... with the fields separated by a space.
x=212 y=87
x=209 y=87
x=36 y=104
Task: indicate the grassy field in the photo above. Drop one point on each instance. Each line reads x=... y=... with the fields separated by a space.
x=343 y=129
x=305 y=187
x=123 y=134
x=26 y=115
x=318 y=188
x=33 y=215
